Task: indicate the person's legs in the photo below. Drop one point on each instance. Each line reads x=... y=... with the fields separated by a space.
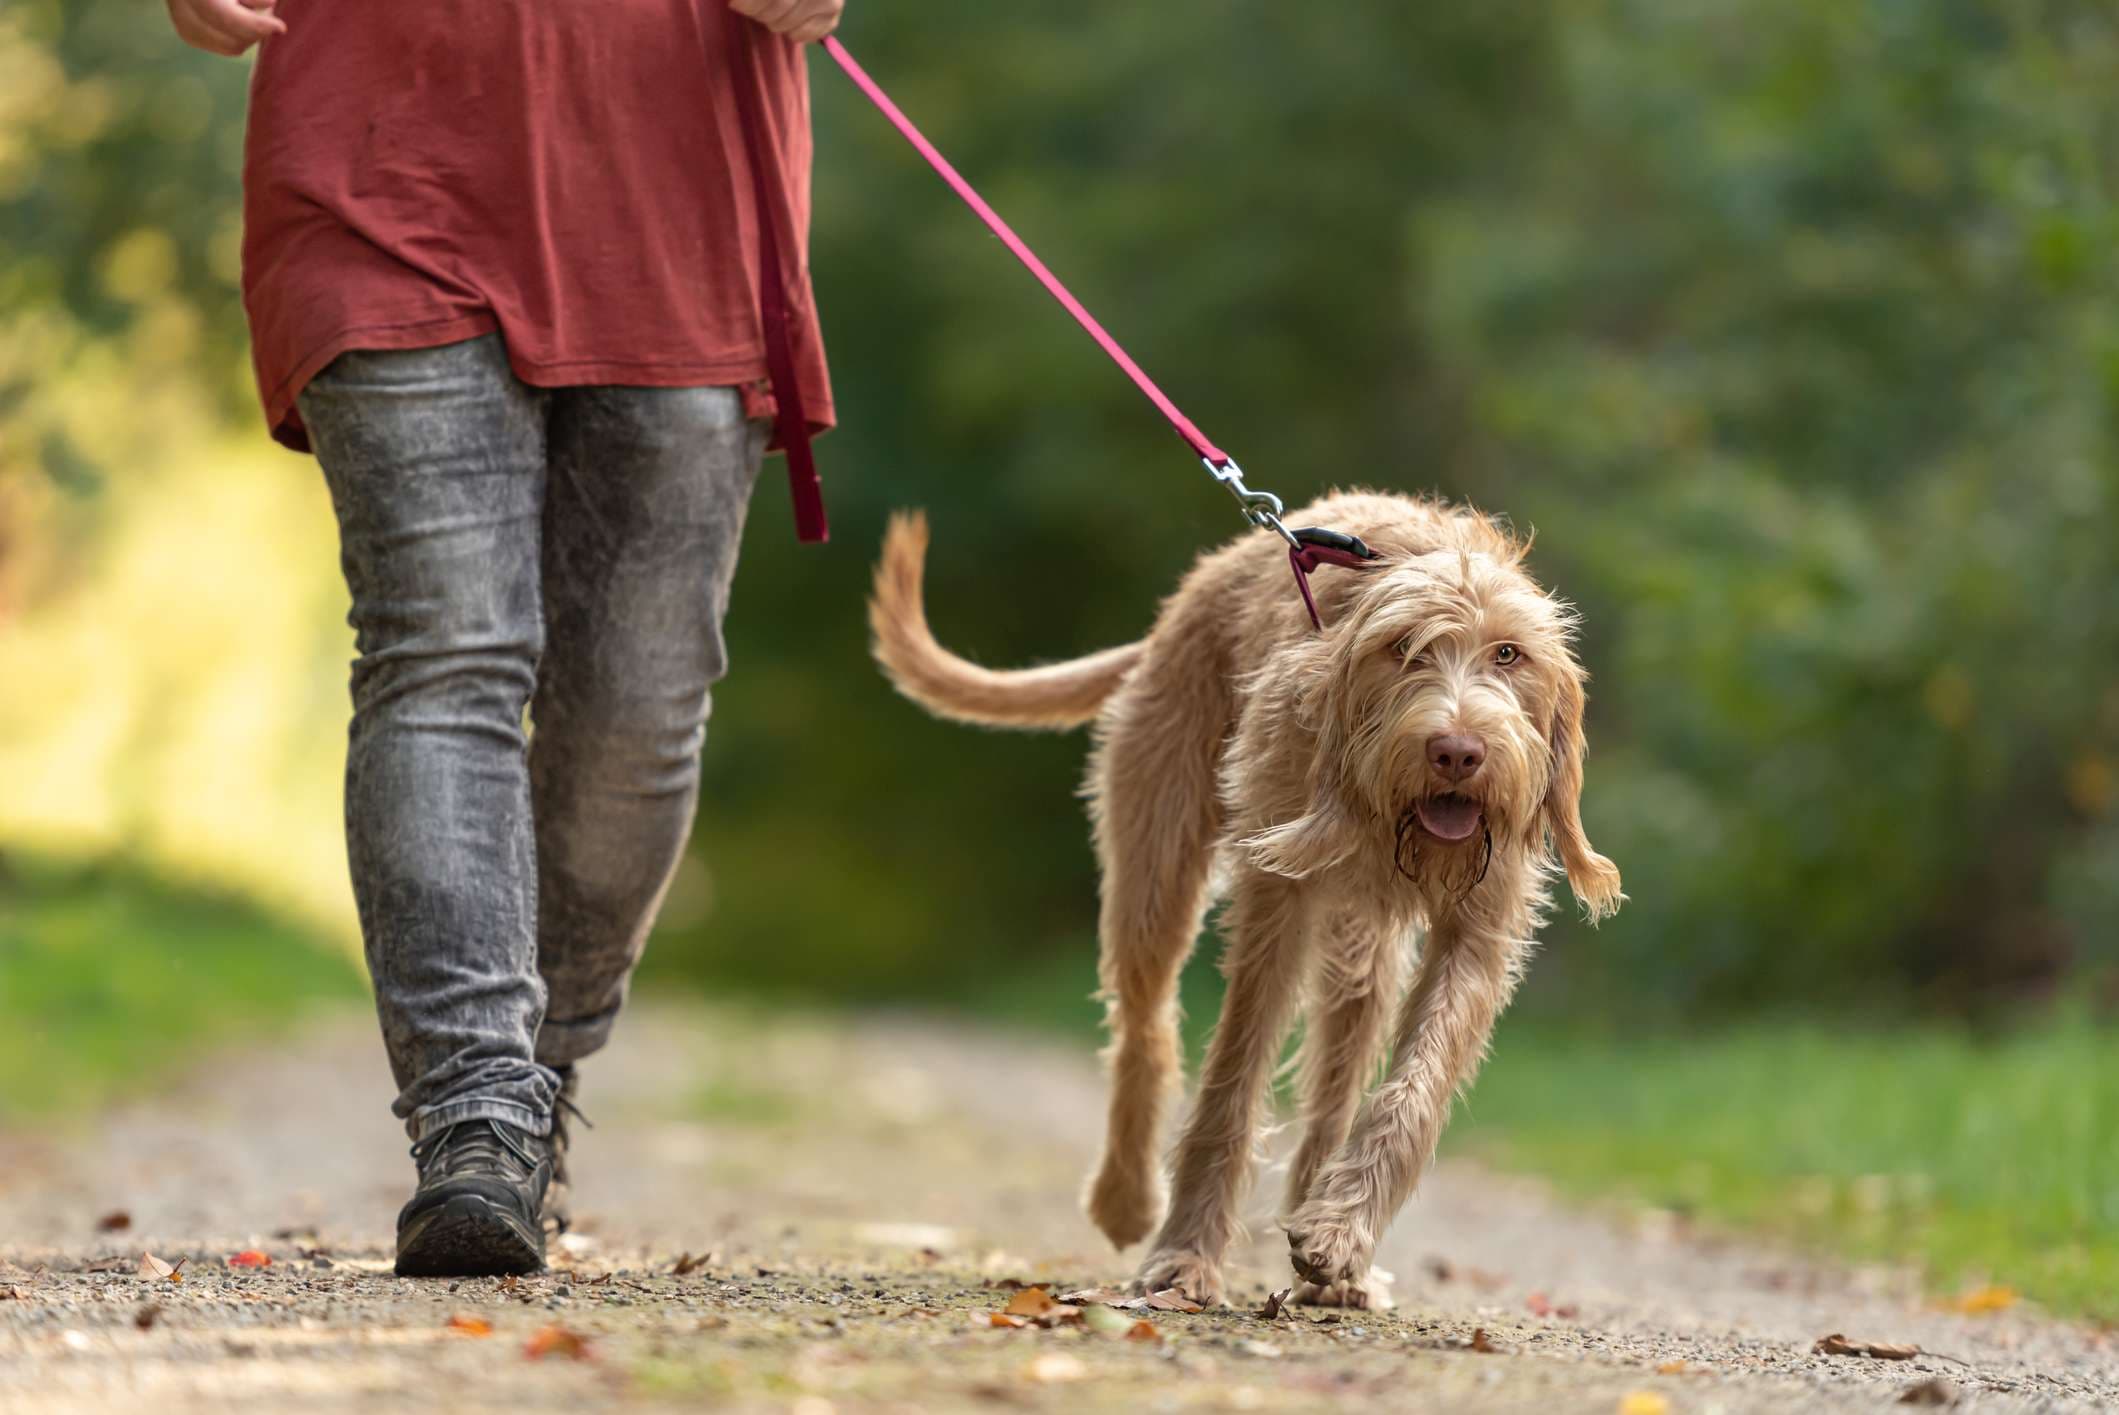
x=643 y=516
x=436 y=464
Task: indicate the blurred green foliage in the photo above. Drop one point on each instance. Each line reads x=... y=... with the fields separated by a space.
x=1789 y=326
x=1980 y=1161
x=109 y=975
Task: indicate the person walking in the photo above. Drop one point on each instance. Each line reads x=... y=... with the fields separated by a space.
x=502 y=265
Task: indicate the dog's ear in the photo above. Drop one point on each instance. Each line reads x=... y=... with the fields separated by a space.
x=1594 y=879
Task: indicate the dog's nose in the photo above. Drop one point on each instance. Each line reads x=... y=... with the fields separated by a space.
x=1456 y=755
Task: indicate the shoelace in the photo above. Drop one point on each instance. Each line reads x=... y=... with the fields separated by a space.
x=487 y=1142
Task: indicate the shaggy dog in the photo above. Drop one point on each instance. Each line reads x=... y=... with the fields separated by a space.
x=1413 y=770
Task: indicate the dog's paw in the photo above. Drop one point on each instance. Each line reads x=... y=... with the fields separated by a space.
x=1124 y=1203
x=1327 y=1248
x=1371 y=1294
x=1193 y=1275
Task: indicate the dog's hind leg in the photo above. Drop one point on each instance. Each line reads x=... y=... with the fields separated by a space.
x=1152 y=795
x=1266 y=936
x=1358 y=972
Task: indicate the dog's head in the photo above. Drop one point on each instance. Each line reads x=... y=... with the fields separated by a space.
x=1447 y=704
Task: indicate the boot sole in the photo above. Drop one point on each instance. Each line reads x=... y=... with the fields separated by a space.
x=467 y=1237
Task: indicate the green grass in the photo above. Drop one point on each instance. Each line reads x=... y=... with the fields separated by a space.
x=1981 y=1159
x=1989 y=1160
x=109 y=978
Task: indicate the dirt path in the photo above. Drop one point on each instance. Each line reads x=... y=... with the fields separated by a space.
x=856 y=1197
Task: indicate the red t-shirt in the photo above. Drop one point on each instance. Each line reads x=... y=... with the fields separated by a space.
x=422 y=171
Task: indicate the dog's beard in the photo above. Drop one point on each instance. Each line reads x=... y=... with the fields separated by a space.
x=1451 y=871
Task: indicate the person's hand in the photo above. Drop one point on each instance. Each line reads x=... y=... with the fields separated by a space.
x=799 y=20
x=225 y=26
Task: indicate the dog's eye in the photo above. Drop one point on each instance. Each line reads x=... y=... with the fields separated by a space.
x=1404 y=648
x=1508 y=655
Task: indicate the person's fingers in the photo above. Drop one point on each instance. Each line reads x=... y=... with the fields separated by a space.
x=748 y=8
x=813 y=30
x=777 y=15
x=240 y=22
x=200 y=36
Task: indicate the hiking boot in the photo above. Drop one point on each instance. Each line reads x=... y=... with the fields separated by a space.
x=559 y=1199
x=478 y=1210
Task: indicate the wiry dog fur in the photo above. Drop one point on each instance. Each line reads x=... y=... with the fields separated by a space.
x=1300 y=772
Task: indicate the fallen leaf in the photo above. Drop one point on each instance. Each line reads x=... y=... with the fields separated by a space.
x=1098 y=1297
x=1030 y=1302
x=1538 y=1305
x=1276 y=1304
x=1672 y=1368
x=1838 y=1345
x=1171 y=1300
x=116 y=1221
x=145 y=1317
x=1932 y=1391
x=1053 y=1367
x=464 y=1325
x=1144 y=1330
x=155 y=1270
x=1003 y=1319
x=556 y=1341
x=1978 y=1301
x=1643 y=1402
x=13 y=1294
x=687 y=1265
x=1480 y=1343
x=249 y=1258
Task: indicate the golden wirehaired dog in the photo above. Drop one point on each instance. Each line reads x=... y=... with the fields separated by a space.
x=1413 y=770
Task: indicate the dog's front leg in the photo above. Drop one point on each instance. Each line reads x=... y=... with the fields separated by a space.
x=1265 y=941
x=1467 y=972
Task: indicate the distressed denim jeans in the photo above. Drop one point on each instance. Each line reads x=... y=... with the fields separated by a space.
x=557 y=554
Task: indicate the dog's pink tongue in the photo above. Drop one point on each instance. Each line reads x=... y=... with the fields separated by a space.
x=1448 y=817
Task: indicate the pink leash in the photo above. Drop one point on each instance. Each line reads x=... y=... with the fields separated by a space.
x=1308 y=548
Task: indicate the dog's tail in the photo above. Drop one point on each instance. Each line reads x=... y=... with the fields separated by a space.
x=1054 y=697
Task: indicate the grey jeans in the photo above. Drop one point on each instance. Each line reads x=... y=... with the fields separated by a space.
x=562 y=552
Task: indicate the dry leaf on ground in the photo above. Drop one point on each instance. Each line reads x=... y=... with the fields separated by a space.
x=1672 y=1368
x=464 y=1325
x=1171 y=1300
x=1542 y=1306
x=1100 y=1297
x=249 y=1258
x=1276 y=1304
x=1030 y=1302
x=1144 y=1330
x=687 y=1265
x=556 y=1341
x=1980 y=1300
x=116 y=1221
x=1643 y=1402
x=155 y=1270
x=1005 y=1319
x=1838 y=1345
x=1481 y=1343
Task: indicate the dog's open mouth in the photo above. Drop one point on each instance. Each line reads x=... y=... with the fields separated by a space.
x=1448 y=816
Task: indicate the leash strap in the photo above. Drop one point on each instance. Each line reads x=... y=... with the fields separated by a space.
x=1213 y=456
x=789 y=420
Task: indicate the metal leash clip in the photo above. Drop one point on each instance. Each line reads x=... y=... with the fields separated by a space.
x=1261 y=508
